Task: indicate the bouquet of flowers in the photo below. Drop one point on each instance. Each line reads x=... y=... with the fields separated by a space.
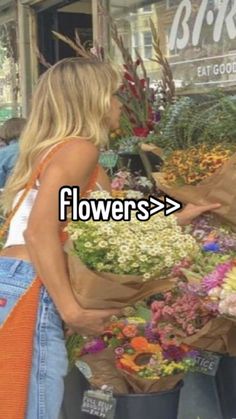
x=217 y=188
x=115 y=265
x=132 y=184
x=183 y=316
x=129 y=260
x=220 y=287
x=191 y=166
x=194 y=312
x=177 y=314
x=133 y=358
x=214 y=235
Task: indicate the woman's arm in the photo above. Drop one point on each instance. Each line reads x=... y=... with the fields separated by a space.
x=192 y=211
x=72 y=165
x=103 y=179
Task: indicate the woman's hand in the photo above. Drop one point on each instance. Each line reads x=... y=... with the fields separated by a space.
x=192 y=211
x=88 y=322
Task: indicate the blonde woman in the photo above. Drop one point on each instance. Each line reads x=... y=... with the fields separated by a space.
x=74 y=105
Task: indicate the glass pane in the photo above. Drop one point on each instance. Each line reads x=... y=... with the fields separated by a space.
x=147 y=36
x=9 y=72
x=147 y=52
x=198 y=37
x=147 y=8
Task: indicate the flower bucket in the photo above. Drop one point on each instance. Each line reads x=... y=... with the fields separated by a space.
x=162 y=405
x=226 y=385
x=132 y=161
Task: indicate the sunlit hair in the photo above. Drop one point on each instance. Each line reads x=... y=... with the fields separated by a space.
x=72 y=99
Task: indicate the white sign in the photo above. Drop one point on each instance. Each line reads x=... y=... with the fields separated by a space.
x=225 y=17
x=202 y=42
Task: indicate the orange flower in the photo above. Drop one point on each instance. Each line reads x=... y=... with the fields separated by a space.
x=184 y=347
x=130 y=330
x=139 y=343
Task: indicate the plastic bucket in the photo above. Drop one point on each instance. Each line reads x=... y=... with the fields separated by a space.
x=133 y=162
x=226 y=385
x=163 y=405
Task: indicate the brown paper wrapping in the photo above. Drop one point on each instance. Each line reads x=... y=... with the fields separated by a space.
x=98 y=290
x=231 y=341
x=218 y=188
x=95 y=290
x=214 y=336
x=104 y=371
x=142 y=385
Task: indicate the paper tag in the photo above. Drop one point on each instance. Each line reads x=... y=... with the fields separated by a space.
x=84 y=369
x=207 y=363
x=99 y=403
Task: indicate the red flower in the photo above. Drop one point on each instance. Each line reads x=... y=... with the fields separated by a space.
x=141 y=132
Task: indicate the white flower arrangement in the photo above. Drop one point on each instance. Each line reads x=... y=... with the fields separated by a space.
x=149 y=248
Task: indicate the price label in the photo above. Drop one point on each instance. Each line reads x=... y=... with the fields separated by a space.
x=99 y=403
x=207 y=363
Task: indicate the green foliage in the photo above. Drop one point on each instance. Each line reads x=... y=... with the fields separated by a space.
x=74 y=344
x=192 y=121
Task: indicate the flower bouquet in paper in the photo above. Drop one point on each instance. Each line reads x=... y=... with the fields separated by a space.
x=215 y=188
x=191 y=166
x=133 y=359
x=218 y=291
x=201 y=291
x=114 y=264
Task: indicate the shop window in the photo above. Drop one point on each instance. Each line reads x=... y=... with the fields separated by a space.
x=147 y=9
x=147 y=44
x=135 y=43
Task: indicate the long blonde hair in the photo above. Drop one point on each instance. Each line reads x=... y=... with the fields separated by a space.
x=72 y=99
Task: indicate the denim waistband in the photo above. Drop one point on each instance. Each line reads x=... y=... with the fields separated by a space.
x=22 y=271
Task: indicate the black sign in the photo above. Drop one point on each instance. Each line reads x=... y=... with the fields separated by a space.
x=99 y=403
x=207 y=363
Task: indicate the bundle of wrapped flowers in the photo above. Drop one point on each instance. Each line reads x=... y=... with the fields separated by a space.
x=112 y=264
x=133 y=359
x=115 y=265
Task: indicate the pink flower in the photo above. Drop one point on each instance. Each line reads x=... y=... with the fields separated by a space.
x=167 y=310
x=117 y=184
x=216 y=278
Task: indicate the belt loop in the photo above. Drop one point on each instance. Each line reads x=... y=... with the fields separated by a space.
x=14 y=267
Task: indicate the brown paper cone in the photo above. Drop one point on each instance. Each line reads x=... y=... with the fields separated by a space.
x=103 y=370
x=218 y=188
x=231 y=338
x=98 y=290
x=142 y=385
x=212 y=337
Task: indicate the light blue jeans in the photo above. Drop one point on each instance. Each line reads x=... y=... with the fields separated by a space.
x=49 y=364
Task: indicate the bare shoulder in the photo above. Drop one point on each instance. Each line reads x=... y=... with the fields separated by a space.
x=74 y=162
x=76 y=150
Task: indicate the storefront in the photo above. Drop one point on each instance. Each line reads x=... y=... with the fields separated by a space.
x=34 y=21
x=198 y=37
x=9 y=70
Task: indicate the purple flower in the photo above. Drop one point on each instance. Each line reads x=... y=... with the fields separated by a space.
x=175 y=353
x=150 y=334
x=193 y=353
x=94 y=346
x=119 y=351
